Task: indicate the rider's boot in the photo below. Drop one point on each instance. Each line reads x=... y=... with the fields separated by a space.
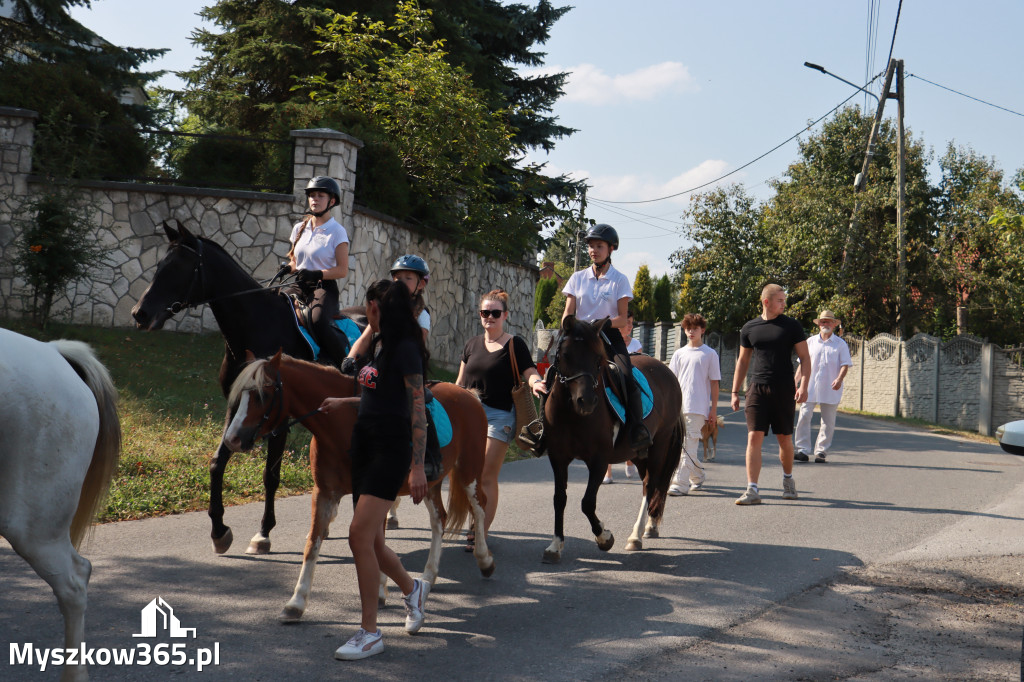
x=639 y=436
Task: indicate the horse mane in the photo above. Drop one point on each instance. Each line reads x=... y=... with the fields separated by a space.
x=254 y=376
x=587 y=334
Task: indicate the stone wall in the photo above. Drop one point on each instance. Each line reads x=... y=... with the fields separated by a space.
x=254 y=227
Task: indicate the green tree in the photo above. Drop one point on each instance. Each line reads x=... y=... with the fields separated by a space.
x=727 y=264
x=565 y=246
x=72 y=77
x=557 y=305
x=643 y=295
x=662 y=300
x=545 y=291
x=824 y=260
x=971 y=256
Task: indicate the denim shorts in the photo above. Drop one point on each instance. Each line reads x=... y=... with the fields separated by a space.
x=500 y=423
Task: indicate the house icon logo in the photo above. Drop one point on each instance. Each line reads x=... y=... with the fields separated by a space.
x=158 y=616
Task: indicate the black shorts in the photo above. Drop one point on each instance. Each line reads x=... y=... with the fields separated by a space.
x=771 y=406
x=381 y=456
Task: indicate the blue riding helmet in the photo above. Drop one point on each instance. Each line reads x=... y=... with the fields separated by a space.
x=412 y=263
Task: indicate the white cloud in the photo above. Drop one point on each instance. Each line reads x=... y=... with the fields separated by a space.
x=638 y=188
x=590 y=84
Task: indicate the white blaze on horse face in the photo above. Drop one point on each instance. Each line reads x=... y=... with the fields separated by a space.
x=231 y=437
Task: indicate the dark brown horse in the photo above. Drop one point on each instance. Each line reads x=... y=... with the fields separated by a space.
x=197 y=271
x=269 y=392
x=579 y=424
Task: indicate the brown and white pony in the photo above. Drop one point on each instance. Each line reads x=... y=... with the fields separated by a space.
x=267 y=393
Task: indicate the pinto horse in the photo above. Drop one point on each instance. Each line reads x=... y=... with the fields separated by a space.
x=579 y=424
x=195 y=271
x=269 y=392
x=60 y=439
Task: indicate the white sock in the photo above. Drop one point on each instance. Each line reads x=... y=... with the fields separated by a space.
x=752 y=485
x=787 y=475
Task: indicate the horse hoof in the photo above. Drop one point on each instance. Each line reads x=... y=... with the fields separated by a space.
x=551 y=557
x=634 y=545
x=290 y=614
x=651 y=533
x=221 y=544
x=606 y=544
x=392 y=523
x=488 y=571
x=258 y=547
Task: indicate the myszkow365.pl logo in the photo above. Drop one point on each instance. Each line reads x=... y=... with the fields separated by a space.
x=157 y=619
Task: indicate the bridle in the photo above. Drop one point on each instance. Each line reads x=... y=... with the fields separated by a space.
x=562 y=378
x=277 y=407
x=199 y=280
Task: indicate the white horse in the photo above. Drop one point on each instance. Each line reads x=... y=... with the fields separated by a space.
x=60 y=439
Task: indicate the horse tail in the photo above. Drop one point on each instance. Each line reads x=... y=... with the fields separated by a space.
x=466 y=472
x=459 y=507
x=108 y=442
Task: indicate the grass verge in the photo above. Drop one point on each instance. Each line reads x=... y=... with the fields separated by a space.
x=926 y=426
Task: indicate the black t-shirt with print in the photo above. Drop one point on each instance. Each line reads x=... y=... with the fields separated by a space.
x=490 y=373
x=772 y=342
x=384 y=386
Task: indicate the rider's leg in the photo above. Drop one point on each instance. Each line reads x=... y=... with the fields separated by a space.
x=323 y=308
x=639 y=436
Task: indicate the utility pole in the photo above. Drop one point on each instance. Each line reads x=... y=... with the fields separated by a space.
x=901 y=166
x=579 y=232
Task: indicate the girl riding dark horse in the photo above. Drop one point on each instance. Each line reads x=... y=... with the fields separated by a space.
x=580 y=424
x=197 y=271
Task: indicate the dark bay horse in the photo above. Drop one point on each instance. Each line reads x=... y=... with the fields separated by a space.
x=195 y=271
x=60 y=438
x=269 y=392
x=579 y=424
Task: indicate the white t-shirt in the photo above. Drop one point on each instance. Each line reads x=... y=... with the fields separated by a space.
x=827 y=357
x=634 y=346
x=424 y=319
x=316 y=247
x=695 y=369
x=597 y=298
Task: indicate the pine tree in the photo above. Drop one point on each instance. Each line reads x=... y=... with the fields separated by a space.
x=662 y=300
x=643 y=296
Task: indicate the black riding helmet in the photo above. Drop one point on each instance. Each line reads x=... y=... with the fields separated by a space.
x=322 y=183
x=604 y=232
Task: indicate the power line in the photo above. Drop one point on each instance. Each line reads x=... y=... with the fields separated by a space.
x=749 y=163
x=913 y=75
x=893 y=43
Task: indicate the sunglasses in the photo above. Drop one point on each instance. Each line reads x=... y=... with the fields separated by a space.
x=493 y=313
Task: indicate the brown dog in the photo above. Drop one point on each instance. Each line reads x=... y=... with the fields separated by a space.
x=709 y=432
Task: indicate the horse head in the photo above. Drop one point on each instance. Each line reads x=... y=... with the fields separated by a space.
x=177 y=282
x=255 y=403
x=579 y=361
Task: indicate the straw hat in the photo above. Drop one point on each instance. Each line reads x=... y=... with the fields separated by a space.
x=826 y=316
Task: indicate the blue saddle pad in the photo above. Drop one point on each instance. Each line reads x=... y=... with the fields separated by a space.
x=349 y=328
x=646 y=397
x=442 y=424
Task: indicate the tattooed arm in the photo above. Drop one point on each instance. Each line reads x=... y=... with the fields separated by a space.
x=417 y=408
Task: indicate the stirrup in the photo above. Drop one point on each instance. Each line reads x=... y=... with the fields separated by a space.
x=533 y=436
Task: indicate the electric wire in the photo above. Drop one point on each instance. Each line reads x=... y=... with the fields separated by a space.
x=962 y=94
x=892 y=44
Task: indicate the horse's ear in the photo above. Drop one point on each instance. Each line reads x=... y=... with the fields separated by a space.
x=599 y=325
x=276 y=360
x=568 y=322
x=172 y=234
x=249 y=355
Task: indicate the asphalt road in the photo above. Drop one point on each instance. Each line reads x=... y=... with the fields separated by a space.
x=887 y=494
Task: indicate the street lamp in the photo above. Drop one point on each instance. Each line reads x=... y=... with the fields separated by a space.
x=817 y=67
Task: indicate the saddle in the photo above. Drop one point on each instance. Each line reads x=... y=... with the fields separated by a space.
x=343 y=325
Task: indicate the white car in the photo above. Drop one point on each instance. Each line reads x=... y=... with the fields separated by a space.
x=1011 y=437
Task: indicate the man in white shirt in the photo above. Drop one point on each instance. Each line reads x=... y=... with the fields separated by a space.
x=830 y=361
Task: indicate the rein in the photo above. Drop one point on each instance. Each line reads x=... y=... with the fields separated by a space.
x=197 y=277
x=562 y=378
x=278 y=402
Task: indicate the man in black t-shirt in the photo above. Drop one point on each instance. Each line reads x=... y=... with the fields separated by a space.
x=770 y=340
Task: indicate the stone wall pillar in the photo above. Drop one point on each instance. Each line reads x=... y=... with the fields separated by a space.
x=322 y=151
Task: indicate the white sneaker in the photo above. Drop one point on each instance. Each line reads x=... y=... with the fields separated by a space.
x=694 y=487
x=607 y=480
x=414 y=606
x=631 y=471
x=675 y=490
x=363 y=644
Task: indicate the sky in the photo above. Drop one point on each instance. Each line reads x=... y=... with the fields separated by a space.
x=668 y=95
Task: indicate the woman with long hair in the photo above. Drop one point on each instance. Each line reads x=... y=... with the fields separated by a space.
x=388 y=445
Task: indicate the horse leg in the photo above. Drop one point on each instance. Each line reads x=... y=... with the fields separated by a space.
x=325 y=507
x=434 y=510
x=220 y=534
x=67 y=574
x=260 y=543
x=596 y=469
x=553 y=553
x=634 y=542
x=482 y=554
x=393 y=515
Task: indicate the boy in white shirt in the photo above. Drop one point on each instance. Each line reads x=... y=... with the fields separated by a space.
x=697 y=369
